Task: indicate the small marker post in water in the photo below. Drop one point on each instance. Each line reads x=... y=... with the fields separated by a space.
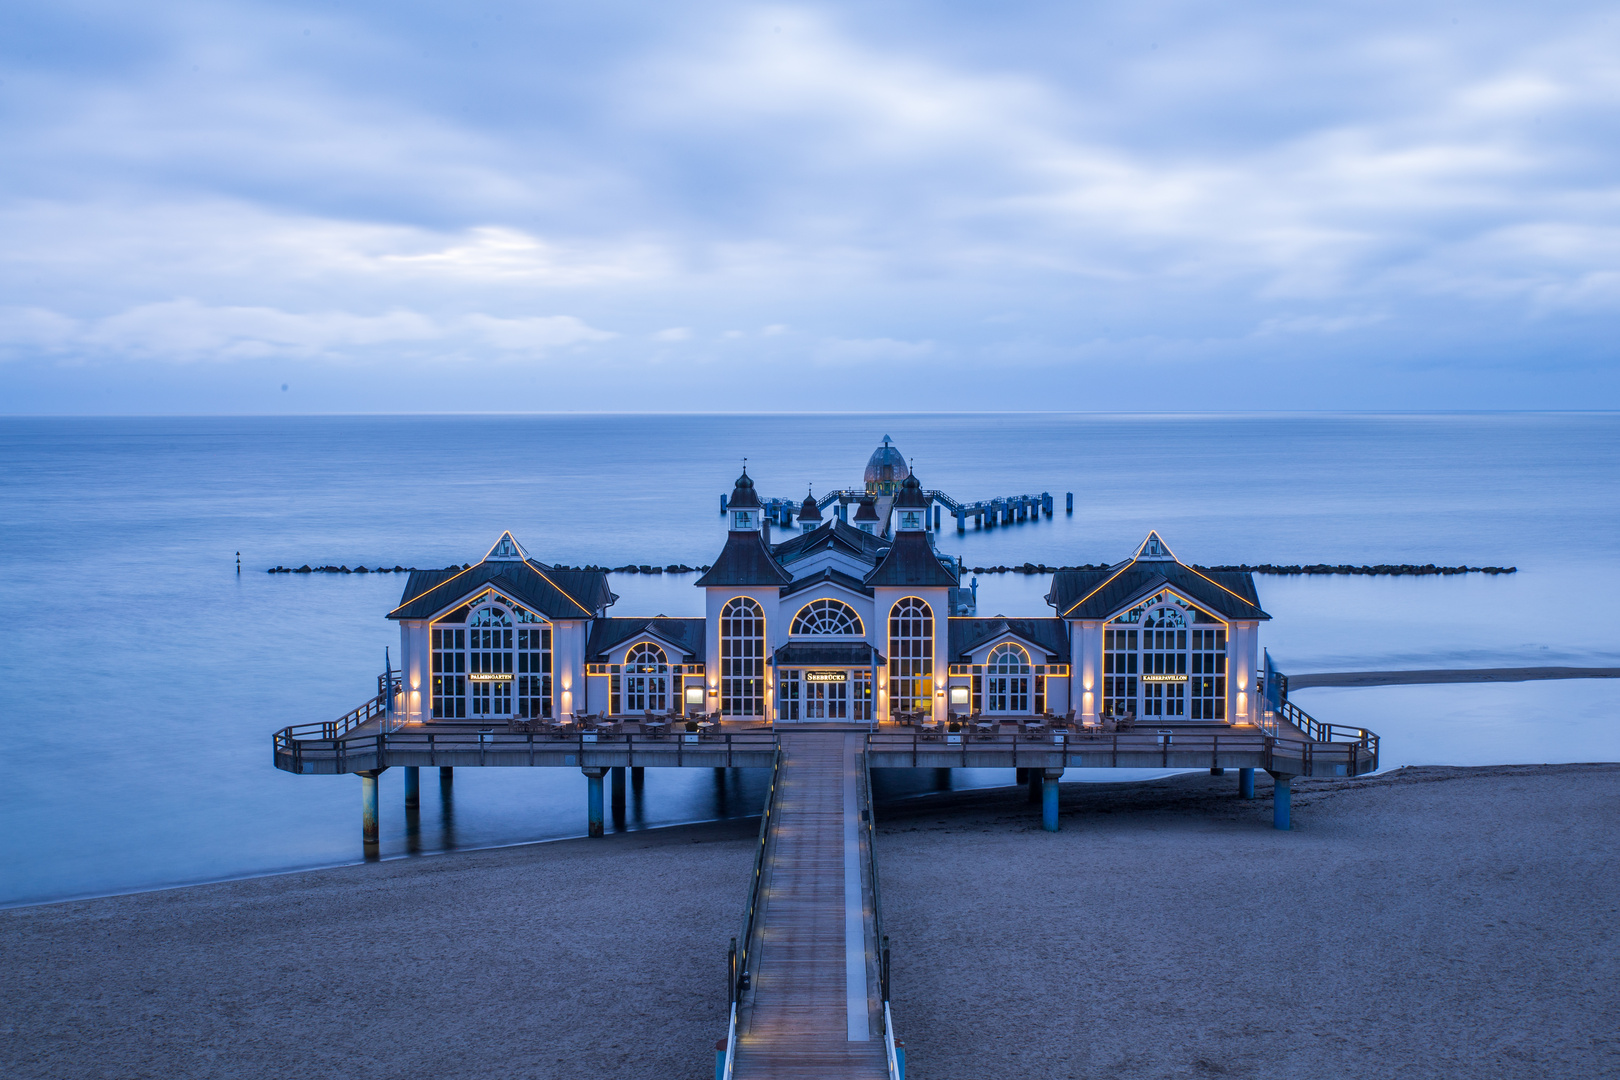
x=238 y=564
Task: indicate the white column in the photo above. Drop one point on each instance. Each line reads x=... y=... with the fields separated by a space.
x=1087 y=644
x=1242 y=653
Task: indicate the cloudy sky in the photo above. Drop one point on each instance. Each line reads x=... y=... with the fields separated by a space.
x=514 y=206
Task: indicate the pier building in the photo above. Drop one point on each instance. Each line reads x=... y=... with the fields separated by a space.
x=845 y=646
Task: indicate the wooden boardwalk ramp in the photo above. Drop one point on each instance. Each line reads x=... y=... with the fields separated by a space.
x=814 y=1008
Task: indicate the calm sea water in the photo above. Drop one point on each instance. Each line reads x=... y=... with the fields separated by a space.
x=141 y=677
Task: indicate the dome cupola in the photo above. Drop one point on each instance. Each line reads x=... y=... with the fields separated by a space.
x=809 y=513
x=744 y=505
x=912 y=505
x=885 y=470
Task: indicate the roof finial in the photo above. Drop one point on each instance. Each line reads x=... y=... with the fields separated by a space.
x=885 y=440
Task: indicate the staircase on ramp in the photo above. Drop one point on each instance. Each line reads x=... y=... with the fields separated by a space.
x=814 y=1007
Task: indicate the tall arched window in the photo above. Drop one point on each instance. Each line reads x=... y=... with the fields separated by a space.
x=646 y=679
x=489 y=661
x=827 y=618
x=911 y=656
x=742 y=658
x=1006 y=677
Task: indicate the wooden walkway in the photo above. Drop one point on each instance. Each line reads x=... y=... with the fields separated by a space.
x=814 y=1009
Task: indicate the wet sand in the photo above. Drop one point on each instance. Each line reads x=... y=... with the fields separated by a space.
x=1431 y=922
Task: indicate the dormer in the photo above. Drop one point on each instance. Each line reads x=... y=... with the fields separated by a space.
x=911 y=506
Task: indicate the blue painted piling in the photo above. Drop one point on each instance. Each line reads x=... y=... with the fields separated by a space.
x=1068 y=502
x=1245 y=783
x=1049 y=799
x=413 y=787
x=368 y=806
x=593 y=800
x=1281 y=796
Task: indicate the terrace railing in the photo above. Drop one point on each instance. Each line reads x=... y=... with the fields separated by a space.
x=869 y=818
x=332 y=742
x=1328 y=746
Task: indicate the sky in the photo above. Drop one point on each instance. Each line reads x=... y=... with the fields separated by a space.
x=503 y=206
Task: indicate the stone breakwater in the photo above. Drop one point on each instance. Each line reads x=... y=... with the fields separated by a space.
x=1380 y=570
x=672 y=568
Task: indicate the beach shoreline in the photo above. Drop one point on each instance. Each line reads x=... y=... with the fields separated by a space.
x=1423 y=921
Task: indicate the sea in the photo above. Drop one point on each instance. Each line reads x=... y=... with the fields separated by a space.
x=142 y=674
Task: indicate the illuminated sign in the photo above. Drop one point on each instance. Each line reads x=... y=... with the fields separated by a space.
x=826 y=676
x=1164 y=678
x=485 y=676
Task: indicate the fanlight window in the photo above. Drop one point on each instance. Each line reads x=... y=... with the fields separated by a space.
x=646 y=679
x=911 y=656
x=1007 y=680
x=742 y=658
x=1164 y=609
x=827 y=618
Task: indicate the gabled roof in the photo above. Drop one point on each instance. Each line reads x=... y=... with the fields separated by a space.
x=556 y=594
x=911 y=562
x=827 y=576
x=1047 y=636
x=1102 y=594
x=745 y=560
x=835 y=534
x=686 y=635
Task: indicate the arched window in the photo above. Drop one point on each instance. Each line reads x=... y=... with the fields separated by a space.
x=1007 y=680
x=1146 y=670
x=742 y=658
x=476 y=664
x=911 y=656
x=489 y=661
x=827 y=618
x=646 y=679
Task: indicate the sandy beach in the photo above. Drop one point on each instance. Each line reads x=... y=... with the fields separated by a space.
x=1428 y=922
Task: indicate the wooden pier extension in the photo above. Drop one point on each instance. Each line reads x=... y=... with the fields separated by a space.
x=814 y=1008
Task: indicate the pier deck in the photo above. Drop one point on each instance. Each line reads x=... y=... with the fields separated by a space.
x=814 y=1009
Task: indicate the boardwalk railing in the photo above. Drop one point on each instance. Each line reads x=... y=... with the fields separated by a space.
x=737 y=959
x=869 y=813
x=325 y=747
x=1332 y=749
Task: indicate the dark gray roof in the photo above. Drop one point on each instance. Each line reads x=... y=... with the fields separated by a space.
x=743 y=495
x=745 y=560
x=1102 y=594
x=810 y=510
x=556 y=594
x=834 y=534
x=687 y=634
x=827 y=654
x=837 y=577
x=1052 y=635
x=911 y=494
x=911 y=561
x=866 y=511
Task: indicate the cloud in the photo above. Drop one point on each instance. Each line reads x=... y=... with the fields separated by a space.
x=187 y=331
x=474 y=185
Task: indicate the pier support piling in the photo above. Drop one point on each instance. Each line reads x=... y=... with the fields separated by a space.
x=413 y=787
x=638 y=776
x=1068 y=502
x=593 y=800
x=1216 y=770
x=1245 y=783
x=447 y=775
x=618 y=789
x=1281 y=797
x=1049 y=798
x=1034 y=781
x=368 y=806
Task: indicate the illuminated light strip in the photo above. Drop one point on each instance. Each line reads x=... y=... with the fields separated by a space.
x=470 y=569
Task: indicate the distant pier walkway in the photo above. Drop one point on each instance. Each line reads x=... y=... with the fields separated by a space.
x=1447 y=675
x=814 y=1008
